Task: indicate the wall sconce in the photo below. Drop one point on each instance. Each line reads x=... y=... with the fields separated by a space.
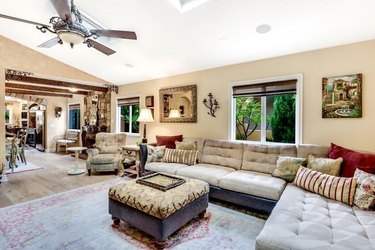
x=211 y=104
x=58 y=111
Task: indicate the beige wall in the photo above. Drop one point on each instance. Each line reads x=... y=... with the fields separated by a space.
x=348 y=59
x=16 y=56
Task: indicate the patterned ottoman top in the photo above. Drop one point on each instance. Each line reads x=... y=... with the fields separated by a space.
x=156 y=202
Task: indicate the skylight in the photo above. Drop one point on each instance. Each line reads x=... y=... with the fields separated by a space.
x=186 y=5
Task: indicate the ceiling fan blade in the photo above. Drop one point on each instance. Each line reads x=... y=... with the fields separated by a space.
x=98 y=46
x=62 y=8
x=115 y=33
x=23 y=20
x=49 y=43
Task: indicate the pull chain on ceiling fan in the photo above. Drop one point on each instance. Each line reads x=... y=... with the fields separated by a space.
x=69 y=29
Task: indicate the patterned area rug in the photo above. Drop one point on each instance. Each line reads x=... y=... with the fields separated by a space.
x=79 y=219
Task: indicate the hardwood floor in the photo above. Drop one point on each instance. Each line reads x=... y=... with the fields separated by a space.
x=52 y=179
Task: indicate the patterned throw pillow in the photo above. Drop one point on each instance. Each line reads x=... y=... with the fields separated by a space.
x=188 y=157
x=365 y=193
x=338 y=188
x=308 y=179
x=287 y=167
x=186 y=145
x=324 y=165
x=155 y=153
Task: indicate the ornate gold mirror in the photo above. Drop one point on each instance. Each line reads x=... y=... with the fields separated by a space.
x=178 y=104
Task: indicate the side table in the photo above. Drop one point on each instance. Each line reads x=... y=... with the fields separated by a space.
x=76 y=170
x=131 y=152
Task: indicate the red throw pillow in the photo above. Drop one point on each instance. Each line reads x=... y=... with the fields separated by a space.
x=168 y=141
x=352 y=160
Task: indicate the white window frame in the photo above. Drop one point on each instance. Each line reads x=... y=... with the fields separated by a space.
x=68 y=115
x=299 y=109
x=118 y=120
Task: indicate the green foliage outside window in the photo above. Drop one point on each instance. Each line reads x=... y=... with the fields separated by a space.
x=248 y=116
x=130 y=114
x=284 y=118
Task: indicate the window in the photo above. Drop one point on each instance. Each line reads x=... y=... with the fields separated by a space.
x=266 y=112
x=74 y=116
x=128 y=112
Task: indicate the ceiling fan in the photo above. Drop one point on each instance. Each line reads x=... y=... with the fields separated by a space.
x=69 y=29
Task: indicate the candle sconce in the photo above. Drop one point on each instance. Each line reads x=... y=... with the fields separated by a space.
x=211 y=104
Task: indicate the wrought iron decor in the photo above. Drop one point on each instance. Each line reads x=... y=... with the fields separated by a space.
x=181 y=100
x=211 y=104
x=113 y=88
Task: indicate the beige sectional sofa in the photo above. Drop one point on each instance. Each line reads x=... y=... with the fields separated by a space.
x=238 y=172
x=241 y=173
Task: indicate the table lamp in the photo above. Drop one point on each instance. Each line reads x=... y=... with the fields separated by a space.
x=174 y=113
x=145 y=116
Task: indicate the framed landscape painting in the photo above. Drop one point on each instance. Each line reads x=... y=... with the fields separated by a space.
x=342 y=96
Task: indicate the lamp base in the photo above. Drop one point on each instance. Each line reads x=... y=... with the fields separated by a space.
x=144 y=140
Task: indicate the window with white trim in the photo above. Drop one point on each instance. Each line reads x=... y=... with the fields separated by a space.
x=127 y=115
x=266 y=112
x=74 y=116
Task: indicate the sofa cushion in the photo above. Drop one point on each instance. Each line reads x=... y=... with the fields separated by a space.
x=105 y=158
x=365 y=191
x=188 y=157
x=205 y=172
x=304 y=150
x=353 y=160
x=324 y=165
x=333 y=187
x=224 y=153
x=262 y=158
x=253 y=183
x=287 y=167
x=168 y=141
x=155 y=154
x=186 y=145
x=302 y=219
x=199 y=142
x=163 y=167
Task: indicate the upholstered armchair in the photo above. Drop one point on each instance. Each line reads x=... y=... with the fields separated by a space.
x=107 y=155
x=71 y=137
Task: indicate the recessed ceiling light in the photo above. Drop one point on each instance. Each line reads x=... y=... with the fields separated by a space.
x=223 y=40
x=264 y=28
x=128 y=65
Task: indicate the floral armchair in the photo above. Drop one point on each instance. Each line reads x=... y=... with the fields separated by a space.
x=107 y=155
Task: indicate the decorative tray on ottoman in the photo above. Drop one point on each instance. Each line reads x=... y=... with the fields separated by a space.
x=161 y=181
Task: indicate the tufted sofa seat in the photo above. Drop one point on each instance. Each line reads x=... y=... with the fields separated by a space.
x=304 y=220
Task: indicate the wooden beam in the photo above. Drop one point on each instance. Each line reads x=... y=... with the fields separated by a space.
x=42 y=88
x=36 y=93
x=42 y=81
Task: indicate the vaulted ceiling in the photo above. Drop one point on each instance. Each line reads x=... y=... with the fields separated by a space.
x=216 y=33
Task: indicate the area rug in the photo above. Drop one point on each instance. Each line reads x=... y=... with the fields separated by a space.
x=22 y=168
x=79 y=219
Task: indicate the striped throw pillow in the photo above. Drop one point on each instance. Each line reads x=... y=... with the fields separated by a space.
x=308 y=179
x=188 y=157
x=338 y=188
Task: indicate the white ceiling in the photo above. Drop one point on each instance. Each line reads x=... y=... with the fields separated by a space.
x=216 y=33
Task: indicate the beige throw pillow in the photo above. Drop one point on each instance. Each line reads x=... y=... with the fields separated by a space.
x=365 y=192
x=186 y=145
x=324 y=165
x=188 y=157
x=287 y=167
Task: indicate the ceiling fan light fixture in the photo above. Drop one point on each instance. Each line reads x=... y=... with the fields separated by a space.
x=71 y=37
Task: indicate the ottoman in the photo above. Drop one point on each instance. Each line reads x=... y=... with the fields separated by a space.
x=155 y=212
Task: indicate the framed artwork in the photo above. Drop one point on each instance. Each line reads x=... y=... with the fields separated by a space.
x=342 y=96
x=149 y=101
